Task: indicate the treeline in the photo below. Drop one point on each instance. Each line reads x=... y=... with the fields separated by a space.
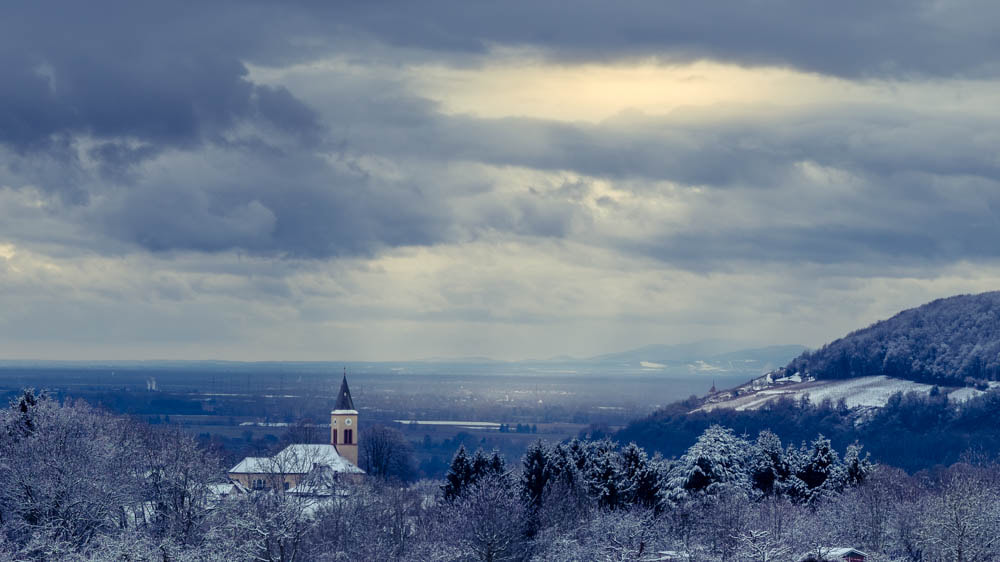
x=913 y=431
x=79 y=484
x=611 y=477
x=953 y=341
x=725 y=499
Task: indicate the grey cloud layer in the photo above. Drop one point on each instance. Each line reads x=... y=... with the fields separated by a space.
x=851 y=38
x=144 y=124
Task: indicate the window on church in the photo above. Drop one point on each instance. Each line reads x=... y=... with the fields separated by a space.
x=348 y=436
x=334 y=436
x=258 y=484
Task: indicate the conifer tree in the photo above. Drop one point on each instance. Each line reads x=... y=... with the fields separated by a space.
x=819 y=472
x=604 y=474
x=535 y=474
x=641 y=476
x=769 y=467
x=459 y=475
x=479 y=465
x=716 y=462
x=856 y=467
x=496 y=465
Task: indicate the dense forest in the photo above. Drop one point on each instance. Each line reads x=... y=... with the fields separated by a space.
x=913 y=431
x=77 y=483
x=953 y=341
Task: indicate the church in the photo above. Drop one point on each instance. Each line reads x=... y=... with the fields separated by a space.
x=301 y=468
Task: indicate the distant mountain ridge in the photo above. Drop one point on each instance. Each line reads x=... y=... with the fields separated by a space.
x=701 y=351
x=710 y=358
x=949 y=341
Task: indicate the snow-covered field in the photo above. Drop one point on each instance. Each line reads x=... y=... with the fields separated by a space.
x=857 y=392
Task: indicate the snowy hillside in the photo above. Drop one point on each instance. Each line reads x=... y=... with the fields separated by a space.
x=873 y=391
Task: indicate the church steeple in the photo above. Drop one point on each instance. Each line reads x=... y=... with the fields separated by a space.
x=344 y=401
x=344 y=424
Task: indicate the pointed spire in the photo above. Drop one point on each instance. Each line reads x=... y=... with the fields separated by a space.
x=344 y=401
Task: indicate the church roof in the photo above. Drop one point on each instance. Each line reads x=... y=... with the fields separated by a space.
x=299 y=458
x=344 y=401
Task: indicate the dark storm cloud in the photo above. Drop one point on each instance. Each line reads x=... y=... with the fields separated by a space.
x=288 y=205
x=172 y=74
x=852 y=38
x=233 y=163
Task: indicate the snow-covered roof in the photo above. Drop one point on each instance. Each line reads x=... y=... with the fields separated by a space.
x=666 y=556
x=835 y=553
x=299 y=458
x=252 y=465
x=225 y=489
x=841 y=552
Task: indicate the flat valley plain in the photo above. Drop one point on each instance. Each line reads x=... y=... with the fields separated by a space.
x=253 y=408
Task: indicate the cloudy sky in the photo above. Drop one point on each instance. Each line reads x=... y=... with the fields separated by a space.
x=393 y=180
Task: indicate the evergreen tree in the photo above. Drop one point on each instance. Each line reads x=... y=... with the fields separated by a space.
x=716 y=462
x=497 y=464
x=821 y=472
x=562 y=467
x=579 y=451
x=459 y=475
x=535 y=474
x=641 y=477
x=769 y=468
x=604 y=475
x=479 y=465
x=26 y=406
x=856 y=467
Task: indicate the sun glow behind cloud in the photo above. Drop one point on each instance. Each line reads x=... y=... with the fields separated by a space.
x=530 y=87
x=519 y=83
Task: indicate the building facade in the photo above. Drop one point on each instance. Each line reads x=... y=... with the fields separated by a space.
x=308 y=464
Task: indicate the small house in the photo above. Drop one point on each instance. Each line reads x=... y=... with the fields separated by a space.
x=835 y=554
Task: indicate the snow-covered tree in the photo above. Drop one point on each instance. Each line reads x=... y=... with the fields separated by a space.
x=717 y=462
x=487 y=521
x=769 y=468
x=535 y=474
x=819 y=471
x=459 y=475
x=856 y=467
x=962 y=523
x=605 y=481
x=642 y=478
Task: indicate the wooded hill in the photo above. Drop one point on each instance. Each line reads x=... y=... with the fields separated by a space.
x=951 y=341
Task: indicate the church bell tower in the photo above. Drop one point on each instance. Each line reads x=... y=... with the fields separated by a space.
x=344 y=424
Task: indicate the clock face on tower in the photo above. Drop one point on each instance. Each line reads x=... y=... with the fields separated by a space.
x=334 y=422
x=347 y=421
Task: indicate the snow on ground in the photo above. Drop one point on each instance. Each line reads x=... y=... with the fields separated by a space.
x=963 y=394
x=438 y=422
x=865 y=391
x=702 y=366
x=856 y=392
